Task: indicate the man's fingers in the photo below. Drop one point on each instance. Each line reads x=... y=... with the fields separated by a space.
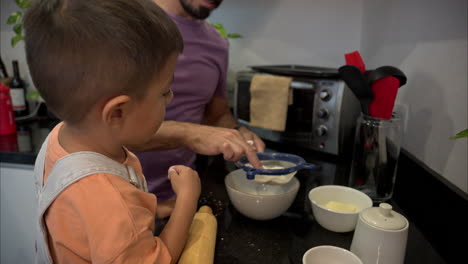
x=259 y=145
x=253 y=159
x=238 y=151
x=252 y=144
x=227 y=151
x=233 y=152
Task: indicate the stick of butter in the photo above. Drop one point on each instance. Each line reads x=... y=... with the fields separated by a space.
x=341 y=207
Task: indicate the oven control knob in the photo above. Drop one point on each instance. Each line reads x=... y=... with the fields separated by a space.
x=321 y=130
x=325 y=95
x=322 y=113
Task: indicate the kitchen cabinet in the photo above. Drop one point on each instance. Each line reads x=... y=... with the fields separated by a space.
x=17 y=213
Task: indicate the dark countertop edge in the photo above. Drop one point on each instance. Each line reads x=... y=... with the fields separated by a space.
x=18 y=158
x=445 y=182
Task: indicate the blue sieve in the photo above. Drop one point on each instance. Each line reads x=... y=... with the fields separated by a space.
x=289 y=162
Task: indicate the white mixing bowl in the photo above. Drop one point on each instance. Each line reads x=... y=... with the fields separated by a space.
x=259 y=201
x=333 y=220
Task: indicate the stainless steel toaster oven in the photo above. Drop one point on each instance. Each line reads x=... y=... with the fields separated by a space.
x=322 y=116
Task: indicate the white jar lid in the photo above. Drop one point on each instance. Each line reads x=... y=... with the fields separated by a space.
x=384 y=217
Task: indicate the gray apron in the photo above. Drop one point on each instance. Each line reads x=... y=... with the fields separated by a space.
x=65 y=172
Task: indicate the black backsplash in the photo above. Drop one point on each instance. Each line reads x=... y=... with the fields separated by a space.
x=437 y=207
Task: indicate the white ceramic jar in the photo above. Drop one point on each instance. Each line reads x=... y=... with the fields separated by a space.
x=380 y=236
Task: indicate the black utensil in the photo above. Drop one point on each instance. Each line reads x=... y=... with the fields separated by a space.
x=385 y=71
x=297 y=70
x=358 y=83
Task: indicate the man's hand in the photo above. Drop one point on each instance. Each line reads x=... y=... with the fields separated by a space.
x=252 y=139
x=208 y=140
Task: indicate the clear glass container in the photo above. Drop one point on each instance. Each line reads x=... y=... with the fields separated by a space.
x=375 y=156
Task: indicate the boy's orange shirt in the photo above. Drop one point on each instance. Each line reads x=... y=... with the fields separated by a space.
x=102 y=218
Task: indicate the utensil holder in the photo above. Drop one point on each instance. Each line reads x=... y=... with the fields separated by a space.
x=375 y=157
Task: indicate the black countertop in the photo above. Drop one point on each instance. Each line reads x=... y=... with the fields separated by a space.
x=284 y=240
x=23 y=146
x=240 y=239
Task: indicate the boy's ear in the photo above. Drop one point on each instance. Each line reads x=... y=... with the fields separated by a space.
x=114 y=111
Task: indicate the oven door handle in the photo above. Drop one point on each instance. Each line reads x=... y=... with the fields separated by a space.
x=302 y=85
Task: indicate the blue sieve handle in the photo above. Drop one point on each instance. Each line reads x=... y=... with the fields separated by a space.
x=309 y=166
x=251 y=174
x=249 y=171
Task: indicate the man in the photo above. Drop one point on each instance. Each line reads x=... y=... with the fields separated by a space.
x=199 y=89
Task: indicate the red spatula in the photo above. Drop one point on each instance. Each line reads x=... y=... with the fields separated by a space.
x=354 y=58
x=385 y=92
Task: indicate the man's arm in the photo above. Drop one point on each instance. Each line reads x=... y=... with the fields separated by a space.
x=170 y=135
x=218 y=114
x=201 y=139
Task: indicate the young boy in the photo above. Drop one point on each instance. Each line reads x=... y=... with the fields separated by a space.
x=104 y=68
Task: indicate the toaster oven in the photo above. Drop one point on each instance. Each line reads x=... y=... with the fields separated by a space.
x=322 y=116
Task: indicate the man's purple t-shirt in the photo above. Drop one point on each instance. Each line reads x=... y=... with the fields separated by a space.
x=200 y=75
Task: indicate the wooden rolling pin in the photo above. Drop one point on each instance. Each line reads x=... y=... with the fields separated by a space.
x=200 y=245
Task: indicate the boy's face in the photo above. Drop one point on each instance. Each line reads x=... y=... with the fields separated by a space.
x=148 y=114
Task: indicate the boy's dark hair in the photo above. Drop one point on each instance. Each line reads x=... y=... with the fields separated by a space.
x=81 y=52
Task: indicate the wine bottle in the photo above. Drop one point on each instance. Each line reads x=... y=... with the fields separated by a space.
x=3 y=72
x=18 y=93
x=4 y=78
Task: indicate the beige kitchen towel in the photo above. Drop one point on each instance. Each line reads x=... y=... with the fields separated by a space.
x=269 y=99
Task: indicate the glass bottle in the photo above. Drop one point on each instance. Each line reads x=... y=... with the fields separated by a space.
x=18 y=93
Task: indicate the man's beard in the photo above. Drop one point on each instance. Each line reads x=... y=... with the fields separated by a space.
x=200 y=12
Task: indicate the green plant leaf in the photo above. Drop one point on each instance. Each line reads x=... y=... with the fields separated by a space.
x=14 y=18
x=462 y=134
x=23 y=3
x=34 y=95
x=18 y=28
x=16 y=39
x=217 y=25
x=234 y=35
x=223 y=32
x=220 y=28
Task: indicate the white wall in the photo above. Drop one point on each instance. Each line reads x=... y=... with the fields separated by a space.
x=427 y=39
x=310 y=32
x=9 y=53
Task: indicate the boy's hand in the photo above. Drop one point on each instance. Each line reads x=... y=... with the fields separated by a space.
x=186 y=185
x=165 y=208
x=185 y=182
